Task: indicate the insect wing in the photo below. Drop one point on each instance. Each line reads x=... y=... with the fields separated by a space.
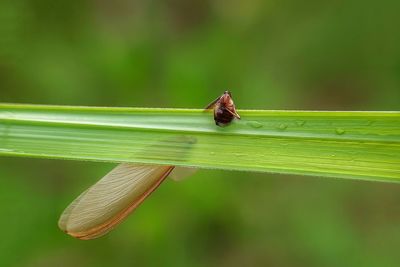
x=233 y=112
x=180 y=173
x=104 y=205
x=212 y=104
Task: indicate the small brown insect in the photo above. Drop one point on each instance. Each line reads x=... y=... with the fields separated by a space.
x=224 y=109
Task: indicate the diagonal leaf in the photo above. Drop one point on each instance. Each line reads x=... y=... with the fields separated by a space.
x=358 y=145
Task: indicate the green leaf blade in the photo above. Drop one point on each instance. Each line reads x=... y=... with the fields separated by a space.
x=356 y=145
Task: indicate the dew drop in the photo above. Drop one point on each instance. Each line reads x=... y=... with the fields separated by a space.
x=282 y=126
x=300 y=123
x=212 y=153
x=340 y=131
x=254 y=124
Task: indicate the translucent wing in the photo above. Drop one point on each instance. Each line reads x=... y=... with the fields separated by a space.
x=104 y=205
x=233 y=112
x=181 y=173
x=212 y=104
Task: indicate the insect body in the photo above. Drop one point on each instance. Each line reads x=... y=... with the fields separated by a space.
x=108 y=202
x=224 y=109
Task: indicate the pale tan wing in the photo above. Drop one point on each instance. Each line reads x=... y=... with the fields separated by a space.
x=181 y=173
x=100 y=208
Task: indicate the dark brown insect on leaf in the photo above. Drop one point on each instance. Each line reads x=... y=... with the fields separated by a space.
x=224 y=109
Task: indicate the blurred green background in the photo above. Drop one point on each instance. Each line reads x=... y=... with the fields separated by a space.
x=318 y=55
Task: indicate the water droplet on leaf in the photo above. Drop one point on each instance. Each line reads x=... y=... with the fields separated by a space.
x=340 y=131
x=282 y=126
x=254 y=124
